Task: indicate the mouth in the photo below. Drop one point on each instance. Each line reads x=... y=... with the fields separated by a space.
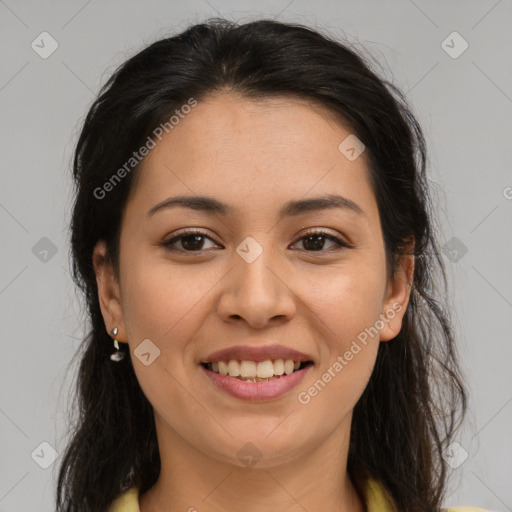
x=255 y=381
x=256 y=371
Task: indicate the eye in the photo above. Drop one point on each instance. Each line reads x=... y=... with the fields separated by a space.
x=314 y=241
x=194 y=241
x=190 y=240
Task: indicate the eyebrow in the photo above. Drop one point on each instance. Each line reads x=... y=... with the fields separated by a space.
x=290 y=209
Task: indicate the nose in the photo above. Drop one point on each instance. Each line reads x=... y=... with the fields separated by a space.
x=256 y=292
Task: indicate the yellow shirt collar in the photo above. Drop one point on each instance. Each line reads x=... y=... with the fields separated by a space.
x=377 y=499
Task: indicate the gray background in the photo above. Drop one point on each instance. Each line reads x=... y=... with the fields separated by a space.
x=464 y=105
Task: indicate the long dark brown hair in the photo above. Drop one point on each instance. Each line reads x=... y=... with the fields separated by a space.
x=416 y=398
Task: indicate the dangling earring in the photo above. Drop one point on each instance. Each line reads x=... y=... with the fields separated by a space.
x=117 y=355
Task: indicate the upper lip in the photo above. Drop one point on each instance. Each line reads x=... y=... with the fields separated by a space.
x=256 y=353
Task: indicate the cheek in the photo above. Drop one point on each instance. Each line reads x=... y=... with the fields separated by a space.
x=347 y=305
x=161 y=300
x=346 y=308
x=347 y=300
x=163 y=304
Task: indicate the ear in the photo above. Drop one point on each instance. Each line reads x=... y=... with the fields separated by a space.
x=397 y=296
x=108 y=292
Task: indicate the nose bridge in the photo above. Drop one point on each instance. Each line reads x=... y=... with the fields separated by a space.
x=255 y=277
x=255 y=291
x=257 y=274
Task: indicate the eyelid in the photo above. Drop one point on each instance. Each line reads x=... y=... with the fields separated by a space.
x=167 y=244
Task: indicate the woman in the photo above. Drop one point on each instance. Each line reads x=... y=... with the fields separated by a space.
x=252 y=228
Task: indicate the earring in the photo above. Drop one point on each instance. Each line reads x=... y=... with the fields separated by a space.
x=117 y=355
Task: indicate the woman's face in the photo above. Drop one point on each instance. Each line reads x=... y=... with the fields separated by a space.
x=253 y=278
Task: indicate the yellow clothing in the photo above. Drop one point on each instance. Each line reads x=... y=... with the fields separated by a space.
x=377 y=500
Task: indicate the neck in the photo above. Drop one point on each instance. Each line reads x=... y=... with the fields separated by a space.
x=192 y=480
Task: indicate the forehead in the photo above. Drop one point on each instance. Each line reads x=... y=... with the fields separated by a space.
x=252 y=153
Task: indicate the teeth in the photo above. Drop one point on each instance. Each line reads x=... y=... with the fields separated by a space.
x=252 y=369
x=247 y=369
x=278 y=367
x=288 y=366
x=234 y=368
x=265 y=369
x=223 y=368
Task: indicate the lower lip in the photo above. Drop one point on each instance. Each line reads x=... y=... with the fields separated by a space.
x=256 y=391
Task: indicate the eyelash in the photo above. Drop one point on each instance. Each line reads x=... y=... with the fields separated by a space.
x=167 y=244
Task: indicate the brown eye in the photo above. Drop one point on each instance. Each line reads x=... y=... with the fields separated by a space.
x=315 y=241
x=190 y=241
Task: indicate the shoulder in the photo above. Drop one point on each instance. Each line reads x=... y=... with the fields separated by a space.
x=128 y=501
x=379 y=500
x=465 y=509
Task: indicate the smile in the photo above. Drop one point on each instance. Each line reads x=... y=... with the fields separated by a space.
x=254 y=371
x=256 y=381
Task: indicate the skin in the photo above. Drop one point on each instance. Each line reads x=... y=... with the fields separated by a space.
x=254 y=156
